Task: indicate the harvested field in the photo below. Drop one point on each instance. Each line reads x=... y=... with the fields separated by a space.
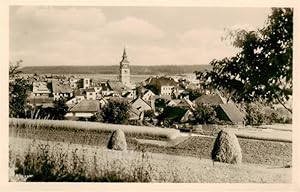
x=253 y=151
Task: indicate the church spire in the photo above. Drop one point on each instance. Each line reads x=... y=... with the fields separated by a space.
x=124 y=53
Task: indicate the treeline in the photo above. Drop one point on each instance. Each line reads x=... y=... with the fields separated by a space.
x=135 y=69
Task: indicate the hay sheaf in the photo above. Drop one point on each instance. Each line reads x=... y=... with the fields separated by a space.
x=227 y=148
x=117 y=141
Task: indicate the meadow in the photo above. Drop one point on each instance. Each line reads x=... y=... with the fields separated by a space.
x=263 y=160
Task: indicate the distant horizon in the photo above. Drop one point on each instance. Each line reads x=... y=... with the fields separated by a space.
x=114 y=69
x=148 y=65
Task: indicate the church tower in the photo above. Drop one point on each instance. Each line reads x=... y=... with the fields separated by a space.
x=124 y=70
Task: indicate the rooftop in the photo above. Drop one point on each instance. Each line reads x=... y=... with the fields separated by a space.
x=209 y=99
x=86 y=106
x=58 y=87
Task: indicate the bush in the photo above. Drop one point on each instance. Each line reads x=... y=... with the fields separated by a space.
x=255 y=114
x=205 y=114
x=227 y=148
x=117 y=141
x=258 y=114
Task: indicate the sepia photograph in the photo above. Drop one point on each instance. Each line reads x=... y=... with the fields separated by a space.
x=150 y=94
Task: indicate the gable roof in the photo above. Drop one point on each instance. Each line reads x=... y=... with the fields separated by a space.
x=126 y=94
x=58 y=87
x=185 y=103
x=166 y=81
x=209 y=99
x=174 y=113
x=162 y=81
x=232 y=112
x=148 y=91
x=134 y=114
x=175 y=101
x=86 y=106
x=141 y=103
x=117 y=86
x=40 y=87
x=90 y=90
x=78 y=92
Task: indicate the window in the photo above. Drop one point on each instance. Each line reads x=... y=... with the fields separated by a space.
x=91 y=93
x=86 y=81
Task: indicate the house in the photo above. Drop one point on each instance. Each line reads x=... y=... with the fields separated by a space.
x=73 y=101
x=117 y=86
x=185 y=103
x=178 y=90
x=103 y=102
x=173 y=102
x=187 y=116
x=97 y=85
x=73 y=82
x=84 y=109
x=209 y=100
x=105 y=89
x=136 y=116
x=177 y=115
x=163 y=85
x=45 y=102
x=87 y=83
x=119 y=89
x=40 y=89
x=147 y=95
x=229 y=112
x=61 y=90
x=129 y=94
x=91 y=94
x=141 y=105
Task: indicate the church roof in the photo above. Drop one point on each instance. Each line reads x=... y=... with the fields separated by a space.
x=124 y=57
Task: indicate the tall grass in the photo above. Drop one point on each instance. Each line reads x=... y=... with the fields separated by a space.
x=54 y=161
x=75 y=126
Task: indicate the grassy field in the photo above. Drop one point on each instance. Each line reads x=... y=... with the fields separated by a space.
x=82 y=132
x=92 y=163
x=155 y=140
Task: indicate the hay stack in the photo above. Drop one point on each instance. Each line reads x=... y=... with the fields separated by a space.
x=227 y=148
x=117 y=141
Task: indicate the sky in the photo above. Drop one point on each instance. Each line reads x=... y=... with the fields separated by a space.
x=57 y=35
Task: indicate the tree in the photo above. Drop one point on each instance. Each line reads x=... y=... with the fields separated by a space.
x=14 y=69
x=116 y=111
x=262 y=70
x=194 y=93
x=18 y=90
x=59 y=109
x=204 y=114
